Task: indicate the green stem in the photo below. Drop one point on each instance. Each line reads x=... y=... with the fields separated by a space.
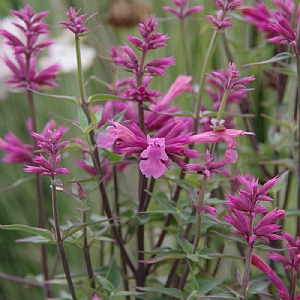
x=200 y=93
x=297 y=50
x=97 y=163
x=79 y=70
x=294 y=284
x=60 y=244
x=249 y=251
x=185 y=48
x=38 y=185
x=222 y=106
x=86 y=254
x=197 y=233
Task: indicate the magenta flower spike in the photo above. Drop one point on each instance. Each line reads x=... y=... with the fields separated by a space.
x=151 y=40
x=228 y=4
x=32 y=28
x=249 y=199
x=23 y=67
x=180 y=11
x=293 y=245
x=283 y=30
x=219 y=22
x=75 y=23
x=229 y=79
x=282 y=290
x=52 y=145
x=17 y=151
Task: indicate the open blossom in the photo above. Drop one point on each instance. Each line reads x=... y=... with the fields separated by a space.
x=75 y=23
x=154 y=152
x=293 y=245
x=180 y=10
x=215 y=136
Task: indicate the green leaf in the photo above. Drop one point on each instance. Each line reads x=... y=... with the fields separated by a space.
x=291 y=212
x=139 y=219
x=278 y=122
x=74 y=228
x=106 y=284
x=82 y=120
x=176 y=293
x=70 y=99
x=193 y=257
x=163 y=201
x=33 y=230
x=185 y=245
x=114 y=275
x=277 y=57
x=36 y=239
x=105 y=97
x=124 y=294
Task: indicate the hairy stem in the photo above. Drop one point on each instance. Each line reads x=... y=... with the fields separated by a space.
x=60 y=244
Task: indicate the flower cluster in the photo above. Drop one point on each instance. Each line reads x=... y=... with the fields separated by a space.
x=221 y=21
x=180 y=10
x=277 y=24
x=23 y=66
x=75 y=23
x=19 y=152
x=52 y=145
x=245 y=208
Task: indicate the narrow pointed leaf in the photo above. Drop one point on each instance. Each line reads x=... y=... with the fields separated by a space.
x=33 y=230
x=277 y=57
x=70 y=99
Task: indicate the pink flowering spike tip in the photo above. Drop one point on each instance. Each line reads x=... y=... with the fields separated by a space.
x=155 y=158
x=259 y=263
x=75 y=23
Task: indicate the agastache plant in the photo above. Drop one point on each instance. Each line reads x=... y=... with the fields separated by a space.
x=158 y=203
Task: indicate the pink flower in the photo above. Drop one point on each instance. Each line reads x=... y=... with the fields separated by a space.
x=229 y=79
x=75 y=23
x=141 y=93
x=155 y=159
x=180 y=10
x=284 y=33
x=228 y=4
x=282 y=291
x=265 y=229
x=23 y=67
x=227 y=135
x=220 y=21
x=151 y=40
x=249 y=199
x=33 y=28
x=34 y=80
x=17 y=151
x=157 y=66
x=95 y=297
x=153 y=152
x=52 y=145
x=210 y=165
x=293 y=245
